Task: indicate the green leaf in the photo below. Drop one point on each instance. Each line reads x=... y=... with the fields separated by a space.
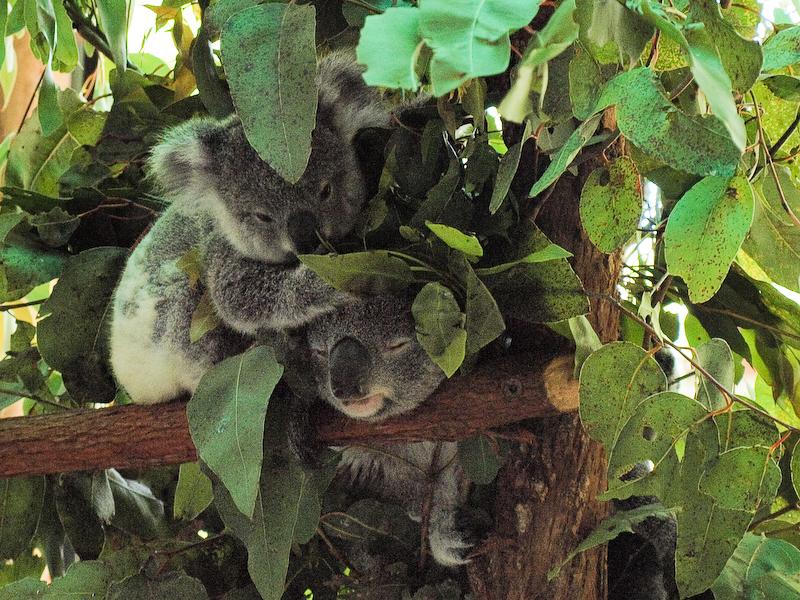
x=548 y=253
x=795 y=468
x=714 y=82
x=761 y=567
x=84 y=579
x=169 y=585
x=716 y=358
x=269 y=55
x=742 y=479
x=614 y=380
x=479 y=459
x=389 y=46
x=78 y=516
x=287 y=510
x=741 y=57
x=356 y=13
x=55 y=227
x=3 y=21
x=204 y=318
x=610 y=32
x=470 y=39
x=697 y=145
x=24 y=265
x=65 y=54
x=113 y=18
x=26 y=589
x=50 y=116
x=468 y=244
x=212 y=90
x=782 y=49
x=586 y=340
x=555 y=37
x=219 y=11
x=361 y=272
x=483 y=321
x=73 y=339
x=563 y=158
x=774 y=240
x=620 y=522
x=784 y=87
x=20 y=504
x=440 y=326
x=704 y=232
x=193 y=493
x=507 y=170
x=136 y=510
x=611 y=204
x=226 y=420
x=36 y=162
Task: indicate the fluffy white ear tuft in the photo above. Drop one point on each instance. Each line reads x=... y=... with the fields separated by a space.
x=182 y=156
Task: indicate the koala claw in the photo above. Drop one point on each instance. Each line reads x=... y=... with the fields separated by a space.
x=450 y=548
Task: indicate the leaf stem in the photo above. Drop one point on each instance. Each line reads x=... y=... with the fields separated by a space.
x=33 y=397
x=6 y=307
x=725 y=391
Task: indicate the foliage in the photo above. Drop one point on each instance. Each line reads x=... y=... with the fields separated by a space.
x=684 y=132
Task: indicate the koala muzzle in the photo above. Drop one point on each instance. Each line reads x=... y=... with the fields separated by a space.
x=350 y=367
x=302 y=227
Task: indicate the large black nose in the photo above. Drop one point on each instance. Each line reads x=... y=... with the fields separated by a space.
x=303 y=232
x=349 y=364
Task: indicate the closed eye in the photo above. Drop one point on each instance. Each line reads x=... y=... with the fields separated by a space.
x=264 y=217
x=398 y=344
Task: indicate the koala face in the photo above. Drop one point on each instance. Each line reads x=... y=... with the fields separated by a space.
x=260 y=214
x=367 y=361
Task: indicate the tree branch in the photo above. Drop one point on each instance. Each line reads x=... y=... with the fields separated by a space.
x=497 y=393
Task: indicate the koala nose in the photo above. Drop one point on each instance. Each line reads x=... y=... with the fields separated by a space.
x=349 y=364
x=302 y=228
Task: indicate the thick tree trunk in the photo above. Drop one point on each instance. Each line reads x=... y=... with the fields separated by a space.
x=546 y=493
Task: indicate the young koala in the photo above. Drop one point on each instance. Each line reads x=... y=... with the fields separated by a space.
x=247 y=224
x=368 y=364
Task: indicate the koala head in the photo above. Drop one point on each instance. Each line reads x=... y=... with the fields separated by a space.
x=367 y=362
x=211 y=163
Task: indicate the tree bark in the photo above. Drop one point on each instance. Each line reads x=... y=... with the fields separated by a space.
x=546 y=493
x=498 y=393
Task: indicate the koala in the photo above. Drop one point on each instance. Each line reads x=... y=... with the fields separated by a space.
x=247 y=225
x=367 y=364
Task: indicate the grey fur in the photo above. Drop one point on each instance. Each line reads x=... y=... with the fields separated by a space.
x=400 y=370
x=248 y=224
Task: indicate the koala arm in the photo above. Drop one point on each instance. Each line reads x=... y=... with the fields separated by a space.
x=251 y=295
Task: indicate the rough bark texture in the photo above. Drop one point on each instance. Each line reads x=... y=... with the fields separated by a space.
x=546 y=493
x=498 y=393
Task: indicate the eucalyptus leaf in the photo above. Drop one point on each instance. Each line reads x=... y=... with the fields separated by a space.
x=393 y=65
x=479 y=459
x=761 y=567
x=169 y=585
x=371 y=272
x=440 y=326
x=468 y=244
x=73 y=338
x=507 y=170
x=705 y=230
x=614 y=380
x=611 y=204
x=782 y=49
x=20 y=503
x=226 y=419
x=270 y=60
x=287 y=510
x=193 y=493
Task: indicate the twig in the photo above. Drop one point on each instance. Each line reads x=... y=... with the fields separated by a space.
x=6 y=307
x=33 y=397
x=30 y=101
x=91 y=33
x=773 y=171
x=785 y=136
x=335 y=552
x=732 y=397
x=653 y=57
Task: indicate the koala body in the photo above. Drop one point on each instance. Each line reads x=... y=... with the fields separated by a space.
x=248 y=224
x=368 y=364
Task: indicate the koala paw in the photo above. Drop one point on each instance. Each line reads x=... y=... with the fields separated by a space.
x=452 y=538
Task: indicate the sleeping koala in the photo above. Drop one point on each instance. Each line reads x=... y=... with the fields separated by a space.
x=247 y=224
x=368 y=364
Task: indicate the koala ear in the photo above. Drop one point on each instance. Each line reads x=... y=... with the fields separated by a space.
x=343 y=94
x=183 y=155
